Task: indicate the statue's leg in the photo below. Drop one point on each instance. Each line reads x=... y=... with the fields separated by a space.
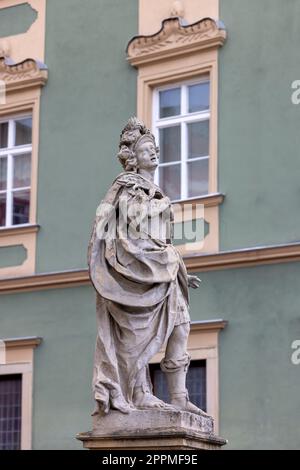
x=175 y=365
x=142 y=395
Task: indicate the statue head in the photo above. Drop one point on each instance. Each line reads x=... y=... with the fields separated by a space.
x=134 y=135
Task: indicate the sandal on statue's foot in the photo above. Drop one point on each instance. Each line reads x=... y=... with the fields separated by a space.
x=117 y=402
x=144 y=400
x=181 y=402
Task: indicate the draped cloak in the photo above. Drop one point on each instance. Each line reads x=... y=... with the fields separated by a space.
x=141 y=285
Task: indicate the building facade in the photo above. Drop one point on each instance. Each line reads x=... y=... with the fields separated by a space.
x=217 y=81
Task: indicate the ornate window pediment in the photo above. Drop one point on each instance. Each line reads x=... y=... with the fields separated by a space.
x=26 y=74
x=176 y=38
x=182 y=55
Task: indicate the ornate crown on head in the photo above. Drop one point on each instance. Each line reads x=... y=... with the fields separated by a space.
x=134 y=133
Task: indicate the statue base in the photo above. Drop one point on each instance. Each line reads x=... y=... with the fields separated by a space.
x=151 y=430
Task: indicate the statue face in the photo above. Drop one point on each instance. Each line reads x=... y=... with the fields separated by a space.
x=147 y=158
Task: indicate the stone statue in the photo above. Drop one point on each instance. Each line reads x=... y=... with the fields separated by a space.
x=141 y=284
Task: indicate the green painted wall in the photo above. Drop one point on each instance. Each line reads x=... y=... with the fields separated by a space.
x=92 y=91
x=259 y=167
x=259 y=386
x=16 y=20
x=12 y=256
x=65 y=319
x=90 y=94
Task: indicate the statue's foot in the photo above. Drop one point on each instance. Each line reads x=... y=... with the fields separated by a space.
x=118 y=403
x=145 y=401
x=182 y=403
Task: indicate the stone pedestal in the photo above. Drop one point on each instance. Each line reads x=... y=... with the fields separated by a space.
x=151 y=430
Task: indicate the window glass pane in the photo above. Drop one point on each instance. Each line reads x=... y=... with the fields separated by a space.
x=21 y=201
x=169 y=102
x=199 y=97
x=195 y=382
x=23 y=131
x=198 y=178
x=198 y=135
x=3 y=173
x=10 y=412
x=3 y=135
x=169 y=180
x=2 y=210
x=170 y=144
x=22 y=170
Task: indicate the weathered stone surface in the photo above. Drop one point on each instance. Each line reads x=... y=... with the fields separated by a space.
x=141 y=284
x=152 y=441
x=141 y=421
x=142 y=304
x=152 y=430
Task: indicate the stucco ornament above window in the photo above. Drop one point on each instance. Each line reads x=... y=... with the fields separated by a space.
x=176 y=38
x=27 y=73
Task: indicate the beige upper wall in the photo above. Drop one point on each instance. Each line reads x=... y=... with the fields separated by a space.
x=152 y=13
x=32 y=43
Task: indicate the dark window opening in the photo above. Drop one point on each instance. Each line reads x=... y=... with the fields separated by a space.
x=10 y=412
x=195 y=381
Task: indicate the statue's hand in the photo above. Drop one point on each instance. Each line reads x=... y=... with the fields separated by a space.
x=194 y=282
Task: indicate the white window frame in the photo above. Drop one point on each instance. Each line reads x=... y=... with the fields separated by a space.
x=10 y=152
x=183 y=120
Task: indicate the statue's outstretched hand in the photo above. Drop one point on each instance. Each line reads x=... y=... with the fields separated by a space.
x=194 y=282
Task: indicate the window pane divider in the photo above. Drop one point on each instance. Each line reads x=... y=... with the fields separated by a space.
x=16 y=150
x=173 y=121
x=184 y=142
x=10 y=171
x=155 y=115
x=183 y=120
x=23 y=188
x=184 y=153
x=9 y=190
x=178 y=162
x=196 y=159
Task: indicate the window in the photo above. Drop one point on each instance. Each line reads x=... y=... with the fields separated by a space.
x=182 y=129
x=195 y=382
x=203 y=375
x=177 y=96
x=16 y=392
x=15 y=170
x=10 y=412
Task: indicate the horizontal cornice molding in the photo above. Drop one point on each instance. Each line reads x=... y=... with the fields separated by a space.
x=209 y=325
x=19 y=230
x=174 y=39
x=211 y=200
x=27 y=342
x=243 y=258
x=45 y=281
x=207 y=262
x=26 y=74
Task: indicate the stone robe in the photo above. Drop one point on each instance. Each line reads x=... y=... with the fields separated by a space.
x=141 y=285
